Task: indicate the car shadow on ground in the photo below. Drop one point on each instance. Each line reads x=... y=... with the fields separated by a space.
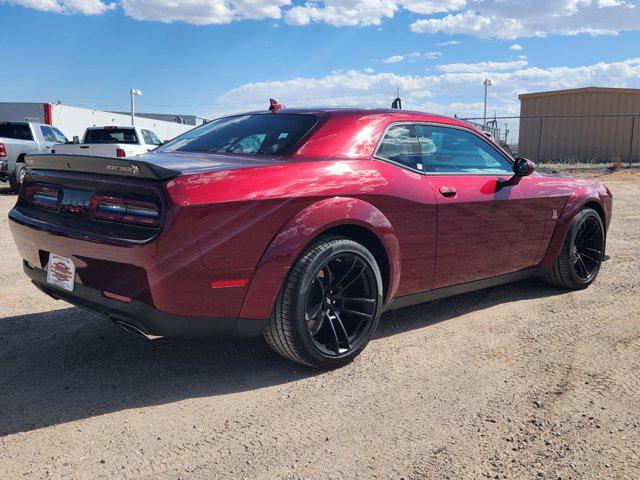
x=67 y=364
x=5 y=190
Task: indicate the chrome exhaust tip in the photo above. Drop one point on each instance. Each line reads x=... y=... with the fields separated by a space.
x=132 y=329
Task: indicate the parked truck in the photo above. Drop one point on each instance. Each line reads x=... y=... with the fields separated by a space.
x=19 y=139
x=111 y=141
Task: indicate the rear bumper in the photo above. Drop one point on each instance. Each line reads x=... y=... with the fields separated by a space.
x=142 y=316
x=165 y=274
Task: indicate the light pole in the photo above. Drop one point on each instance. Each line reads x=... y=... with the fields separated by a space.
x=487 y=84
x=134 y=92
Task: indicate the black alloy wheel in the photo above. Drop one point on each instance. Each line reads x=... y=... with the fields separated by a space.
x=582 y=252
x=588 y=249
x=329 y=305
x=341 y=304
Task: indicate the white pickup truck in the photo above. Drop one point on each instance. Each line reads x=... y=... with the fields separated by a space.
x=111 y=141
x=19 y=139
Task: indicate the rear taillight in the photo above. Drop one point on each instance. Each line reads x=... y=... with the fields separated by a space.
x=3 y=151
x=116 y=209
x=42 y=196
x=120 y=152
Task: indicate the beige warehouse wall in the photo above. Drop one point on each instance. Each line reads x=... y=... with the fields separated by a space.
x=587 y=136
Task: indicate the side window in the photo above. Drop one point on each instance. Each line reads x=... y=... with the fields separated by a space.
x=48 y=134
x=451 y=150
x=150 y=138
x=60 y=138
x=400 y=145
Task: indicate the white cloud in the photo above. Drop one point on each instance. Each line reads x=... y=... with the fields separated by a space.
x=342 y=13
x=394 y=59
x=482 y=66
x=510 y=19
x=446 y=92
x=471 y=23
x=449 y=43
x=403 y=57
x=84 y=7
x=504 y=19
x=516 y=47
x=429 y=7
x=202 y=12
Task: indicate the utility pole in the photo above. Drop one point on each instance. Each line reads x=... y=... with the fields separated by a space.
x=487 y=84
x=134 y=92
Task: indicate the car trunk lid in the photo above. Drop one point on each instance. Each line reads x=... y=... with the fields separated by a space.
x=151 y=166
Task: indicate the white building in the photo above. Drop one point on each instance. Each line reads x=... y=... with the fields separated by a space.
x=73 y=121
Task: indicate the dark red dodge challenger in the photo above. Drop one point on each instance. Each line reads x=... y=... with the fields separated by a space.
x=301 y=225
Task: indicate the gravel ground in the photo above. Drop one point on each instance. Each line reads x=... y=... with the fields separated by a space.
x=520 y=381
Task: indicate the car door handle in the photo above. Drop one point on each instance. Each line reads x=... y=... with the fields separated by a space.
x=448 y=192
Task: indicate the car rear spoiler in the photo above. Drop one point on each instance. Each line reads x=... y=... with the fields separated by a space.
x=120 y=167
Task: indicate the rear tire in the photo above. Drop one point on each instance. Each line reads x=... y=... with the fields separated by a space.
x=329 y=305
x=579 y=261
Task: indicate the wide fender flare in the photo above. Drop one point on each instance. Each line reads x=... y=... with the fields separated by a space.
x=300 y=231
x=579 y=198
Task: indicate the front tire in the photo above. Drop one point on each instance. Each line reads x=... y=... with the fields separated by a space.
x=329 y=305
x=579 y=261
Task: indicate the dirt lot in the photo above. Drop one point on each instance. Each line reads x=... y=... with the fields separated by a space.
x=520 y=381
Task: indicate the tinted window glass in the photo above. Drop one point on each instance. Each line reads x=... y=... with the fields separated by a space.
x=60 y=138
x=270 y=134
x=150 y=138
x=48 y=134
x=18 y=131
x=111 y=135
x=401 y=146
x=452 y=150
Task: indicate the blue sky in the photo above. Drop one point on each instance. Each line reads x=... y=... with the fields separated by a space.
x=209 y=57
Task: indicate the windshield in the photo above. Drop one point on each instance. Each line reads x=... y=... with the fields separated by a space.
x=270 y=134
x=18 y=131
x=111 y=135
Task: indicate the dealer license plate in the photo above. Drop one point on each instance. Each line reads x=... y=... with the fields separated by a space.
x=61 y=272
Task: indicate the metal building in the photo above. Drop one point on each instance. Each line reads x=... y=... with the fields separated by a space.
x=73 y=121
x=590 y=124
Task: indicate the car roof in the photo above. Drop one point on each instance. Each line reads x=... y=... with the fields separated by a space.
x=396 y=114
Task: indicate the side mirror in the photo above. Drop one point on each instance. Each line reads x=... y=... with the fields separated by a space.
x=76 y=139
x=523 y=167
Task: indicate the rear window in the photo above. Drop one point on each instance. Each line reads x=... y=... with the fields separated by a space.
x=269 y=134
x=17 y=131
x=111 y=135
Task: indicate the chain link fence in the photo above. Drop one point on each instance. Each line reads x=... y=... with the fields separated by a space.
x=569 y=139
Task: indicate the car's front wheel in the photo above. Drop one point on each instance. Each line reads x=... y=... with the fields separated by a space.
x=578 y=263
x=329 y=305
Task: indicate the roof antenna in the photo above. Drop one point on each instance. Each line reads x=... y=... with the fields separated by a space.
x=274 y=106
x=397 y=103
